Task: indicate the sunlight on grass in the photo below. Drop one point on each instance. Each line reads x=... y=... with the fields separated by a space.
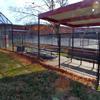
x=12 y=67
x=99 y=88
x=27 y=81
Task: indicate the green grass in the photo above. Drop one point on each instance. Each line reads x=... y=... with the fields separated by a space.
x=63 y=54
x=33 y=86
x=99 y=88
x=84 y=92
x=12 y=67
x=24 y=82
x=33 y=82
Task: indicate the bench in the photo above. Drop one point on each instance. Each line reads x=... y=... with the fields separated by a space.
x=88 y=55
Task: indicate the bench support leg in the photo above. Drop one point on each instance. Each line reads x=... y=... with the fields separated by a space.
x=93 y=65
x=71 y=59
x=80 y=62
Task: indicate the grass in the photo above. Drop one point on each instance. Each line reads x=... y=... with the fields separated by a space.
x=33 y=82
x=63 y=54
x=84 y=93
x=99 y=88
x=33 y=86
x=12 y=67
x=24 y=82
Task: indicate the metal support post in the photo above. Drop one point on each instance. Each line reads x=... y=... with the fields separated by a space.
x=38 y=38
x=5 y=40
x=59 y=44
x=12 y=38
x=98 y=61
x=72 y=44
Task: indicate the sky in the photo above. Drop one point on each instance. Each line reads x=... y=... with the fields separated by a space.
x=5 y=6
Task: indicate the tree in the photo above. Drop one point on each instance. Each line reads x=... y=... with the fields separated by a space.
x=62 y=2
x=31 y=10
x=52 y=4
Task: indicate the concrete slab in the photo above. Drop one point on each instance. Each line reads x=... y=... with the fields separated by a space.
x=86 y=69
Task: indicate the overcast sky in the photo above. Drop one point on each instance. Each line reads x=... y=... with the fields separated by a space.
x=5 y=4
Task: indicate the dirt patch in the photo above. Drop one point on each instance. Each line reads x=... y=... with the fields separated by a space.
x=62 y=84
x=25 y=60
x=73 y=98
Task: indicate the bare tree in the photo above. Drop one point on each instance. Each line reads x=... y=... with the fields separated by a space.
x=62 y=2
x=52 y=4
x=32 y=10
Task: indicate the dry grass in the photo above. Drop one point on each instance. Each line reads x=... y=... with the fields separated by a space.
x=21 y=79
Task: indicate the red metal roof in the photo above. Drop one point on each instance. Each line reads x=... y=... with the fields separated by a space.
x=85 y=13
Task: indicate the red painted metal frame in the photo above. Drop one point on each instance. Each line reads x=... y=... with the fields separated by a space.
x=67 y=24
x=81 y=18
x=67 y=8
x=72 y=7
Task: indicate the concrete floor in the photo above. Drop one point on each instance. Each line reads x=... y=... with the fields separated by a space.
x=86 y=69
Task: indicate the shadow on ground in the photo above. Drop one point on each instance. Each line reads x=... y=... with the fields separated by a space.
x=34 y=86
x=45 y=85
